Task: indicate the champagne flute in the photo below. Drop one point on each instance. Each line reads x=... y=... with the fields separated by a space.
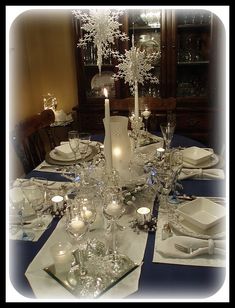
x=167 y=130
x=73 y=137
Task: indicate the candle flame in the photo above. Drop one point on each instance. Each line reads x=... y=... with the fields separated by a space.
x=105 y=92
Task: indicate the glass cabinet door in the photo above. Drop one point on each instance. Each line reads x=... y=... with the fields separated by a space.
x=193 y=29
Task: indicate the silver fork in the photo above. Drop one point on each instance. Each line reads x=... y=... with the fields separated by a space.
x=184 y=248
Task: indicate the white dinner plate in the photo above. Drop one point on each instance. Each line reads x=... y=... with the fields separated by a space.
x=58 y=157
x=211 y=162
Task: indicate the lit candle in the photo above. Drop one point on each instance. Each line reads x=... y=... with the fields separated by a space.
x=146 y=113
x=62 y=256
x=114 y=208
x=77 y=225
x=136 y=101
x=143 y=215
x=57 y=203
x=108 y=141
x=86 y=214
x=160 y=153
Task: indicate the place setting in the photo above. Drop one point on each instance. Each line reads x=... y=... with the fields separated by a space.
x=196 y=234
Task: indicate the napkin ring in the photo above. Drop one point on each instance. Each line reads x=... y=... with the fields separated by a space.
x=211 y=246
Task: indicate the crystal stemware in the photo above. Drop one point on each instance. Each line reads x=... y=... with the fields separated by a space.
x=34 y=191
x=73 y=137
x=113 y=209
x=167 y=130
x=176 y=164
x=18 y=205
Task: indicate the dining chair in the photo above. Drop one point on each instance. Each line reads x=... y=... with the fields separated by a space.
x=29 y=141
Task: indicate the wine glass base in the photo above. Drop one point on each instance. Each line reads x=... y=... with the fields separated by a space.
x=41 y=225
x=26 y=237
x=118 y=264
x=173 y=200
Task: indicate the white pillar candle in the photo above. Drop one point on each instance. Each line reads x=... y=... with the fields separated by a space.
x=143 y=215
x=62 y=256
x=57 y=202
x=114 y=208
x=136 y=101
x=108 y=141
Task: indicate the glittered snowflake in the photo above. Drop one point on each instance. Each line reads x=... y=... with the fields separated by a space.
x=101 y=28
x=135 y=65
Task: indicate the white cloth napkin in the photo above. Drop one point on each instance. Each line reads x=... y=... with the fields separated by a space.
x=64 y=150
x=202 y=174
x=199 y=247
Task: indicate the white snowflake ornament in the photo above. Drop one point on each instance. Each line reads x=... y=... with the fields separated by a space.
x=101 y=27
x=134 y=66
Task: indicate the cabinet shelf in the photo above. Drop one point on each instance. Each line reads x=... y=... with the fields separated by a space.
x=193 y=63
x=194 y=26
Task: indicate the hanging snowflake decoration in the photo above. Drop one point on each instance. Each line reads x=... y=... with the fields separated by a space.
x=101 y=27
x=135 y=66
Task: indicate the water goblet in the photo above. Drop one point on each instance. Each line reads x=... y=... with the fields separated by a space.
x=167 y=130
x=34 y=192
x=17 y=202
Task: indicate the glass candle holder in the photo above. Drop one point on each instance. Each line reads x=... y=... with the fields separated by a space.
x=62 y=256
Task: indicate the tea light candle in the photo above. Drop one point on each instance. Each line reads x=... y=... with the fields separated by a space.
x=143 y=215
x=114 y=208
x=77 y=225
x=57 y=202
x=160 y=153
x=86 y=214
x=146 y=113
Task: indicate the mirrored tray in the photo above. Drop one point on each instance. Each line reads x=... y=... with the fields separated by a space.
x=54 y=161
x=98 y=279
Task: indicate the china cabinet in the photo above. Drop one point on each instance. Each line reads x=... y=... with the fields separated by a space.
x=186 y=70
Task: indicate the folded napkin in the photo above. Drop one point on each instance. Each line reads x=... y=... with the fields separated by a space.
x=199 y=247
x=64 y=150
x=202 y=173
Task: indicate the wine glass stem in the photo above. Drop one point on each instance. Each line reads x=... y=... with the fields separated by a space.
x=114 y=246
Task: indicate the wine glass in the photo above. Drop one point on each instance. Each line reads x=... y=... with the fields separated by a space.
x=167 y=129
x=17 y=202
x=34 y=192
x=84 y=143
x=176 y=161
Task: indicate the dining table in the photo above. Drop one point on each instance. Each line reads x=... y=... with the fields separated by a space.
x=157 y=281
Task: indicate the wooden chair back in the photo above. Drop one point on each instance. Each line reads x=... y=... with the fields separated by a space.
x=27 y=139
x=160 y=108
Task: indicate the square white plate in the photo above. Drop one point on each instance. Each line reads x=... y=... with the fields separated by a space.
x=202 y=212
x=195 y=155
